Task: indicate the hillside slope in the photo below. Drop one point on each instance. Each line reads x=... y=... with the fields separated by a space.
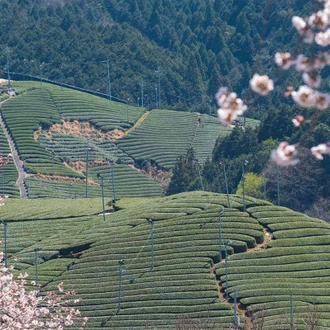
x=164 y=255
x=66 y=137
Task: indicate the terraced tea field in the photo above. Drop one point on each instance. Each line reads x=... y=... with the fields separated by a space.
x=8 y=173
x=155 y=260
x=62 y=134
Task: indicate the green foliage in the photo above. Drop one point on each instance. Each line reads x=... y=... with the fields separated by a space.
x=253 y=185
x=185 y=174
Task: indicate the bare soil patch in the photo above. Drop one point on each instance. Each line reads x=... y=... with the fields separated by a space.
x=80 y=166
x=267 y=238
x=153 y=172
x=80 y=129
x=64 y=179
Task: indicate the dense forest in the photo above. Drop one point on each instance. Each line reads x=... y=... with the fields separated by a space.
x=179 y=52
x=187 y=48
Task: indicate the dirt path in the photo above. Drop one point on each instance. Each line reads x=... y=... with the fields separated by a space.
x=137 y=124
x=17 y=161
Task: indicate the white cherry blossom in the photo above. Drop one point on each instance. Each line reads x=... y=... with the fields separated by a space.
x=285 y=154
x=320 y=150
x=322 y=100
x=299 y=24
x=284 y=60
x=323 y=38
x=230 y=106
x=312 y=79
x=305 y=96
x=261 y=84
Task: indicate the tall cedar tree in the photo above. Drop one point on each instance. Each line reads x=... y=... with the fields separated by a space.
x=185 y=174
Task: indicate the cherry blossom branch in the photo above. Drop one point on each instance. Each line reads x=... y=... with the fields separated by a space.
x=313 y=29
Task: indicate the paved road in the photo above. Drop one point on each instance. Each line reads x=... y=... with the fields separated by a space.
x=17 y=161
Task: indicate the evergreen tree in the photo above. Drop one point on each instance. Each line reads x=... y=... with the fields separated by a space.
x=185 y=174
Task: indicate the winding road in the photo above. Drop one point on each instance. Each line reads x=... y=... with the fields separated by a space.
x=18 y=163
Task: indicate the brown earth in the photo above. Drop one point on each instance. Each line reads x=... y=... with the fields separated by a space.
x=59 y=178
x=153 y=172
x=267 y=238
x=80 y=166
x=80 y=129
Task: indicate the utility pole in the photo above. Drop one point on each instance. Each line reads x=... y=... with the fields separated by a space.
x=109 y=82
x=152 y=242
x=3 y=185
x=120 y=262
x=29 y=187
x=31 y=69
x=278 y=184
x=226 y=183
x=236 y=318
x=61 y=68
x=199 y=173
x=220 y=233
x=36 y=262
x=159 y=73
x=24 y=72
x=156 y=92
x=102 y=185
x=127 y=101
x=5 y=243
x=142 y=92
x=112 y=173
x=244 y=163
x=226 y=266
x=8 y=71
x=86 y=172
x=292 y=327
x=52 y=164
x=40 y=68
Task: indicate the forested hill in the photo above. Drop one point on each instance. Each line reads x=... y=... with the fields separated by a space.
x=197 y=44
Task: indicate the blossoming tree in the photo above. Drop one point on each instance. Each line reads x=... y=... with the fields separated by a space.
x=21 y=308
x=312 y=30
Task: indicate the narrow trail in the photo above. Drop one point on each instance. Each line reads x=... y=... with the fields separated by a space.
x=241 y=309
x=18 y=163
x=137 y=124
x=267 y=238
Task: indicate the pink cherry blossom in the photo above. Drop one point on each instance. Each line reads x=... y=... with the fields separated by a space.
x=298 y=120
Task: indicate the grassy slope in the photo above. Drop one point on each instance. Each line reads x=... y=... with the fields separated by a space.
x=185 y=247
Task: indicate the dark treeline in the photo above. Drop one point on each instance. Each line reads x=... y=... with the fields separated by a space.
x=198 y=44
